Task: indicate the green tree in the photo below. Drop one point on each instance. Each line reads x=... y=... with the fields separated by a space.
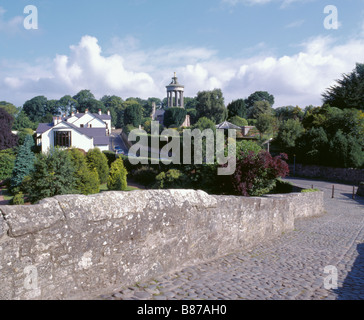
x=22 y=121
x=210 y=104
x=7 y=161
x=53 y=175
x=114 y=104
x=67 y=105
x=259 y=96
x=174 y=117
x=96 y=159
x=36 y=108
x=133 y=114
x=264 y=123
x=348 y=92
x=289 y=131
x=87 y=180
x=237 y=108
x=260 y=107
x=117 y=177
x=24 y=163
x=238 y=121
x=9 y=108
x=204 y=123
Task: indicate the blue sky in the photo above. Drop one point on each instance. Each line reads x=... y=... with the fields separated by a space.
x=131 y=48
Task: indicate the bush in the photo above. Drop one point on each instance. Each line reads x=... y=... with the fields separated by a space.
x=7 y=161
x=238 y=121
x=309 y=190
x=117 y=177
x=18 y=199
x=174 y=117
x=96 y=159
x=172 y=179
x=145 y=176
x=256 y=175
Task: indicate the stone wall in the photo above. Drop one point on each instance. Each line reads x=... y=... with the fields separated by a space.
x=77 y=247
x=350 y=176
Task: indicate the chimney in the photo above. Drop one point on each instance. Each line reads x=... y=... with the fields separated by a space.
x=86 y=111
x=108 y=112
x=72 y=114
x=77 y=112
x=100 y=113
x=55 y=121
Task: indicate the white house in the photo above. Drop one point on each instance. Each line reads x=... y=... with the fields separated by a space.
x=81 y=130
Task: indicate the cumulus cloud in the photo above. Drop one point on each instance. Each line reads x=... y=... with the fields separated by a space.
x=9 y=26
x=298 y=79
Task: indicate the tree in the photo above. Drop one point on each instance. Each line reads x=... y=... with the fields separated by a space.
x=288 y=112
x=256 y=174
x=67 y=105
x=24 y=163
x=237 y=108
x=36 y=108
x=117 y=177
x=22 y=121
x=264 y=123
x=174 y=117
x=238 y=121
x=7 y=161
x=83 y=96
x=348 y=92
x=204 y=123
x=259 y=96
x=87 y=180
x=53 y=175
x=133 y=114
x=9 y=108
x=289 y=131
x=96 y=159
x=260 y=107
x=8 y=140
x=210 y=104
x=114 y=104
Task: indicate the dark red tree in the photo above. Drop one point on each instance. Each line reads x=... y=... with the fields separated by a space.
x=7 y=138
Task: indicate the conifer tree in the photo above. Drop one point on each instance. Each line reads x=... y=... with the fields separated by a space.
x=117 y=177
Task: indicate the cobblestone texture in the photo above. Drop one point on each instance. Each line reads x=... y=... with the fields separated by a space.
x=291 y=267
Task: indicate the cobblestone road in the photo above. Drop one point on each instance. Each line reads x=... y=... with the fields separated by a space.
x=290 y=268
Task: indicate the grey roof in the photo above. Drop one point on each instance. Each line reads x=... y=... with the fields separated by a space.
x=99 y=134
x=43 y=127
x=100 y=116
x=227 y=125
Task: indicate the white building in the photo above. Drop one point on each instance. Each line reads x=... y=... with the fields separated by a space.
x=81 y=130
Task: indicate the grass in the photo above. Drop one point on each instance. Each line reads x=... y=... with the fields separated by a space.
x=310 y=190
x=104 y=188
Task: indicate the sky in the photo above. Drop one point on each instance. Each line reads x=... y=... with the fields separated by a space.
x=291 y=48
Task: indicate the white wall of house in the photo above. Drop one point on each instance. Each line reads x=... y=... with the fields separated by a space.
x=103 y=148
x=89 y=119
x=78 y=140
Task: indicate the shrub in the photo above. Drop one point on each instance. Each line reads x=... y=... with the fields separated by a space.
x=96 y=159
x=145 y=176
x=117 y=177
x=256 y=175
x=172 y=179
x=7 y=161
x=18 y=199
x=174 y=117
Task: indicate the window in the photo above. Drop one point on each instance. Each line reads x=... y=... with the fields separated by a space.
x=62 y=139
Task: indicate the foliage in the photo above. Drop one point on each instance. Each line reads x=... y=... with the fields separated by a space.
x=87 y=180
x=237 y=108
x=172 y=179
x=7 y=138
x=259 y=96
x=260 y=107
x=133 y=114
x=23 y=133
x=309 y=190
x=7 y=162
x=18 y=199
x=24 y=163
x=238 y=121
x=210 y=104
x=349 y=91
x=96 y=159
x=204 y=123
x=289 y=131
x=9 y=108
x=22 y=121
x=264 y=123
x=53 y=175
x=256 y=175
x=145 y=176
x=117 y=177
x=174 y=116
x=244 y=147
x=36 y=108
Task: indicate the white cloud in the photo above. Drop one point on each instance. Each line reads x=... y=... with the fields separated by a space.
x=298 y=79
x=9 y=26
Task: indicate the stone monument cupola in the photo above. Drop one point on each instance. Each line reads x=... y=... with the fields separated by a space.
x=175 y=92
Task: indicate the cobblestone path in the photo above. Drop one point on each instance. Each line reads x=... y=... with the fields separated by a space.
x=291 y=267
